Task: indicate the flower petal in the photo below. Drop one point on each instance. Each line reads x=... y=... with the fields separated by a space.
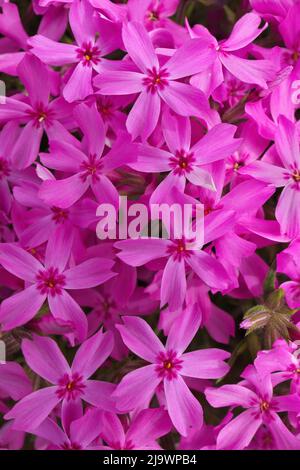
x=137 y=388
x=99 y=394
x=32 y=410
x=63 y=193
x=52 y=52
x=143 y=117
x=64 y=308
x=238 y=434
x=45 y=358
x=140 y=338
x=186 y=100
x=92 y=354
x=90 y=273
x=245 y=30
x=19 y=262
x=173 y=284
x=141 y=251
x=184 y=409
x=208 y=269
x=79 y=85
x=139 y=46
x=194 y=56
x=20 y=308
x=230 y=395
x=287 y=211
x=287 y=142
x=112 y=82
x=205 y=363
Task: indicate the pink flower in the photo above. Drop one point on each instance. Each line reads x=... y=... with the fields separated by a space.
x=283 y=362
x=256 y=395
x=88 y=53
x=69 y=386
x=89 y=165
x=273 y=8
x=226 y=54
x=49 y=281
x=35 y=111
x=181 y=256
x=140 y=434
x=184 y=161
x=14 y=383
x=156 y=82
x=283 y=169
x=169 y=365
x=79 y=434
x=288 y=262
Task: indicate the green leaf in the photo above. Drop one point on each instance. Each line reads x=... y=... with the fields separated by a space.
x=270 y=282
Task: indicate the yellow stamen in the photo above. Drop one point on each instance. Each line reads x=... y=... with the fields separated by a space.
x=264 y=406
x=70 y=386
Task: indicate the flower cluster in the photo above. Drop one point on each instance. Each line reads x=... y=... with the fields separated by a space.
x=150 y=342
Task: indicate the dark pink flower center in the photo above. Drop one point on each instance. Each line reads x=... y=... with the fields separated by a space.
x=116 y=445
x=91 y=168
x=267 y=440
x=70 y=386
x=152 y=15
x=262 y=408
x=182 y=162
x=290 y=57
x=296 y=176
x=107 y=306
x=42 y=115
x=168 y=365
x=71 y=446
x=293 y=174
x=106 y=110
x=156 y=79
x=4 y=168
x=89 y=54
x=179 y=249
x=59 y=215
x=295 y=371
x=50 y=282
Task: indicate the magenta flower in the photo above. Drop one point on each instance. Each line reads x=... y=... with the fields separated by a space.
x=11 y=27
x=80 y=434
x=89 y=165
x=283 y=362
x=153 y=13
x=141 y=434
x=290 y=33
x=35 y=111
x=183 y=255
x=14 y=382
x=283 y=170
x=112 y=344
x=87 y=54
x=256 y=395
x=69 y=386
x=157 y=83
x=8 y=172
x=43 y=220
x=184 y=161
x=50 y=281
x=226 y=54
x=275 y=8
x=168 y=365
x=288 y=262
